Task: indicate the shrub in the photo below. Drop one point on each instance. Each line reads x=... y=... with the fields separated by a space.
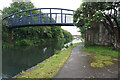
x=71 y=44
x=43 y=41
x=118 y=49
x=82 y=40
x=89 y=43
x=66 y=46
x=23 y=42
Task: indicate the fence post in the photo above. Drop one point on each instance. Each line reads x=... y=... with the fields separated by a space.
x=65 y=18
x=15 y=19
x=31 y=17
x=8 y=20
x=50 y=16
x=23 y=17
x=56 y=18
x=61 y=17
x=40 y=16
x=46 y=18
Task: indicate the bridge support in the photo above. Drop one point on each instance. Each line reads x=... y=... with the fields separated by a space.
x=11 y=35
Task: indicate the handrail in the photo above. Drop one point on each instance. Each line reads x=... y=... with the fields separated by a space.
x=36 y=9
x=23 y=19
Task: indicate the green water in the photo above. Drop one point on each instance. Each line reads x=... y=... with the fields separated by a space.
x=17 y=59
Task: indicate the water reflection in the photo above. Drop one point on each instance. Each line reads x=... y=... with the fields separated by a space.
x=16 y=59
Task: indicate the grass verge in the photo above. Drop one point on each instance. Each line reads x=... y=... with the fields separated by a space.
x=51 y=66
x=102 y=56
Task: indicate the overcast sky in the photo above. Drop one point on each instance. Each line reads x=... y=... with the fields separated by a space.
x=67 y=4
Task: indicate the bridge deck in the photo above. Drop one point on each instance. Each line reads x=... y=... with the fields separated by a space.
x=44 y=24
x=40 y=17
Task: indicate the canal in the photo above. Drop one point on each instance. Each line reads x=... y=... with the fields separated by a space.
x=18 y=59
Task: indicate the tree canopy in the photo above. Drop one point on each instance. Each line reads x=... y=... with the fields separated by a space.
x=107 y=13
x=31 y=35
x=16 y=7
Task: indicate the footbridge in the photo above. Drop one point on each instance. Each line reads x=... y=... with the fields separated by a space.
x=41 y=17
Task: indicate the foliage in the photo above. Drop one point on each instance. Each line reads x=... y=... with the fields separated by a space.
x=50 y=67
x=82 y=40
x=101 y=61
x=89 y=43
x=118 y=49
x=68 y=36
x=16 y=7
x=23 y=42
x=101 y=50
x=95 y=64
x=91 y=13
x=30 y=35
x=102 y=56
x=57 y=51
x=66 y=46
x=71 y=44
x=108 y=63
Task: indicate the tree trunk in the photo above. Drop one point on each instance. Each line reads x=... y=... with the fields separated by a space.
x=116 y=42
x=111 y=29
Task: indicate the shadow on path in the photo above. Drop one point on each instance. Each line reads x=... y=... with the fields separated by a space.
x=78 y=66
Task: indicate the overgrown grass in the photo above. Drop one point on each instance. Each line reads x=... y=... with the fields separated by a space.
x=102 y=56
x=102 y=50
x=50 y=67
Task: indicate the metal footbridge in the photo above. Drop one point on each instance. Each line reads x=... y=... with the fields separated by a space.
x=41 y=17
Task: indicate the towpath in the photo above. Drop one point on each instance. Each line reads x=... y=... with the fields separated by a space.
x=78 y=66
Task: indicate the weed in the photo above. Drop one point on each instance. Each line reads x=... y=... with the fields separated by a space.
x=102 y=55
x=102 y=50
x=108 y=63
x=41 y=65
x=88 y=54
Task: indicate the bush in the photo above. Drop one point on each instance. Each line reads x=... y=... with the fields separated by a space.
x=89 y=43
x=118 y=49
x=71 y=44
x=66 y=46
x=23 y=42
x=82 y=40
x=43 y=41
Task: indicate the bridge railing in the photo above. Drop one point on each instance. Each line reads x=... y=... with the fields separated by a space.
x=37 y=17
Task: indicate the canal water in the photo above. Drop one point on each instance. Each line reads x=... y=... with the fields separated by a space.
x=18 y=59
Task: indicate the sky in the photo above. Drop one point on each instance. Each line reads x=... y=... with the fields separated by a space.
x=66 y=4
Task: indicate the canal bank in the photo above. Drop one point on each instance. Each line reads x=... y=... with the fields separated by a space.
x=18 y=59
x=78 y=66
x=49 y=67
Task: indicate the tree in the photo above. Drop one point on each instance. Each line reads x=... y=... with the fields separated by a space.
x=107 y=13
x=29 y=35
x=16 y=7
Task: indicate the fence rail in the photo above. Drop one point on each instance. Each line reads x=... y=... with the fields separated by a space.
x=38 y=17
